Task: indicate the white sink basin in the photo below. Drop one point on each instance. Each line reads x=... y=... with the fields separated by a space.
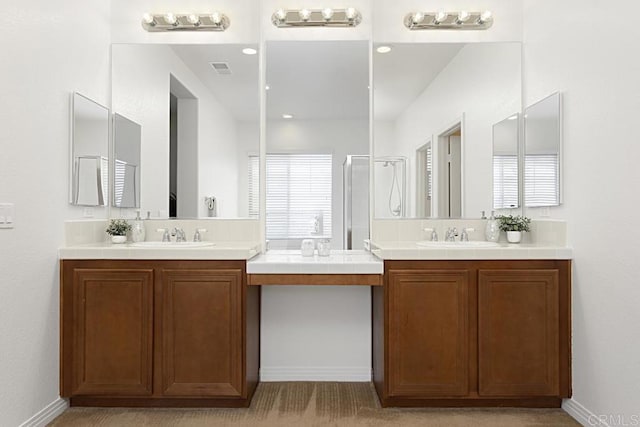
x=459 y=245
x=172 y=245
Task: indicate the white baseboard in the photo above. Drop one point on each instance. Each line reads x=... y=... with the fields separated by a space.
x=351 y=374
x=48 y=414
x=582 y=414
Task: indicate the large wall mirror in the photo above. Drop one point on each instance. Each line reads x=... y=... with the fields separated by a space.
x=435 y=106
x=543 y=148
x=317 y=142
x=506 y=161
x=127 y=138
x=89 y=153
x=198 y=107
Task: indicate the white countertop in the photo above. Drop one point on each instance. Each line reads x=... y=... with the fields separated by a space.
x=409 y=250
x=292 y=262
x=106 y=250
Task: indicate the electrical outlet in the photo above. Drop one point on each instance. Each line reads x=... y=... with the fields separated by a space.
x=544 y=212
x=87 y=212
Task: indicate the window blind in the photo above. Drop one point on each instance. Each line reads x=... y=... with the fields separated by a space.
x=541 y=180
x=298 y=195
x=505 y=181
x=254 y=186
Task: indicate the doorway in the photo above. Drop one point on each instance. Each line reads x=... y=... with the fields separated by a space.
x=183 y=151
x=450 y=172
x=424 y=187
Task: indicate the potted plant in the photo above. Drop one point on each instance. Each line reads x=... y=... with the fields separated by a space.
x=118 y=229
x=514 y=226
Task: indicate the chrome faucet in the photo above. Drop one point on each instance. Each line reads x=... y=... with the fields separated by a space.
x=165 y=234
x=179 y=233
x=433 y=234
x=464 y=237
x=450 y=235
x=197 y=236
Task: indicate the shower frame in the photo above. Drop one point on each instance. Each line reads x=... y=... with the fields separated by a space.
x=403 y=192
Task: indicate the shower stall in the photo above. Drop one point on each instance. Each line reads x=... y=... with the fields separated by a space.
x=390 y=200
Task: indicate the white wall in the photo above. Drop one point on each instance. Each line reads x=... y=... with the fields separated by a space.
x=141 y=93
x=597 y=70
x=49 y=52
x=484 y=94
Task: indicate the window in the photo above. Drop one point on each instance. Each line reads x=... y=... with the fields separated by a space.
x=541 y=180
x=254 y=186
x=505 y=181
x=298 y=195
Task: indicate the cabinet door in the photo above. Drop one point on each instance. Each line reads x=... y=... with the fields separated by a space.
x=518 y=332
x=112 y=332
x=202 y=332
x=428 y=333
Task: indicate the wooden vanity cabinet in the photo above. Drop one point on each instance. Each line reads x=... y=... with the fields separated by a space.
x=158 y=333
x=472 y=333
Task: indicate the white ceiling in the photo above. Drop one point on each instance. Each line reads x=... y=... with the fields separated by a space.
x=319 y=79
x=237 y=92
x=404 y=73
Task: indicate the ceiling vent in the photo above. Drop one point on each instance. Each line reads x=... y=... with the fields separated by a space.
x=221 y=67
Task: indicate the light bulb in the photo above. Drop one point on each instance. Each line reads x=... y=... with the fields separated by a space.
x=351 y=13
x=417 y=17
x=148 y=19
x=463 y=16
x=216 y=18
x=485 y=16
x=281 y=14
x=193 y=19
x=327 y=13
x=440 y=17
x=249 y=51
x=383 y=49
x=304 y=14
x=170 y=18
x=267 y=87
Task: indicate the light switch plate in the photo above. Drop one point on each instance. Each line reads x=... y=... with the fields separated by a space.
x=7 y=217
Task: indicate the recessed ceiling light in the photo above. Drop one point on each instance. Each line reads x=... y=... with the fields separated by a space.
x=267 y=87
x=249 y=51
x=383 y=49
x=287 y=116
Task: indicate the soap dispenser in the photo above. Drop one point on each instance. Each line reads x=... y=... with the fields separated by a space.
x=492 y=229
x=137 y=229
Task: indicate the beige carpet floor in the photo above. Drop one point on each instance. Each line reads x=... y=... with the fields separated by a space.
x=314 y=404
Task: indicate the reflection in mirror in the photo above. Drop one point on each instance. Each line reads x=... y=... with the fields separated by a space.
x=542 y=138
x=437 y=110
x=317 y=119
x=199 y=108
x=126 y=168
x=89 y=153
x=505 y=163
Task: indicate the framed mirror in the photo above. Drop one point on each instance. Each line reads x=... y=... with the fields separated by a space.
x=89 y=153
x=543 y=149
x=506 y=170
x=127 y=136
x=198 y=106
x=317 y=143
x=435 y=105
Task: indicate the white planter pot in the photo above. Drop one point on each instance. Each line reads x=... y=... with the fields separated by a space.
x=514 y=236
x=118 y=239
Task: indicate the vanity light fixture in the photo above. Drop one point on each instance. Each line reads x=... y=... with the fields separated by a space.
x=442 y=20
x=326 y=17
x=157 y=22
